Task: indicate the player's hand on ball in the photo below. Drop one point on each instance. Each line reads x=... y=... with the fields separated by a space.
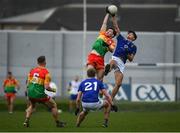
x=77 y=111
x=112 y=15
x=114 y=108
x=112 y=10
x=107 y=11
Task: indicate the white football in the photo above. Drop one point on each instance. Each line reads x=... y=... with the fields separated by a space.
x=112 y=9
x=59 y=111
x=50 y=93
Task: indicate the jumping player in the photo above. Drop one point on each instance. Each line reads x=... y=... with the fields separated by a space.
x=38 y=80
x=89 y=90
x=125 y=50
x=10 y=85
x=101 y=46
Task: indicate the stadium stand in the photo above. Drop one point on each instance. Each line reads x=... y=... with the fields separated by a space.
x=155 y=15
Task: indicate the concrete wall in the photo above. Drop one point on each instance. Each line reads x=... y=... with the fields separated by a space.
x=65 y=58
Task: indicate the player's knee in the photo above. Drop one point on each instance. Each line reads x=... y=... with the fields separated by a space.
x=106 y=104
x=53 y=106
x=83 y=113
x=29 y=109
x=52 y=103
x=113 y=65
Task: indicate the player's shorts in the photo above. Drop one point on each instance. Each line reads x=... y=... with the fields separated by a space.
x=120 y=64
x=40 y=100
x=73 y=97
x=92 y=106
x=96 y=61
x=10 y=95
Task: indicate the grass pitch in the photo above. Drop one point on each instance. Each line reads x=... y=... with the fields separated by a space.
x=121 y=121
x=147 y=117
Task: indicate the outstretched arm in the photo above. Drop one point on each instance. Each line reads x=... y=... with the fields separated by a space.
x=104 y=24
x=115 y=24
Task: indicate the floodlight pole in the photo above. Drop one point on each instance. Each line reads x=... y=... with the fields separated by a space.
x=84 y=36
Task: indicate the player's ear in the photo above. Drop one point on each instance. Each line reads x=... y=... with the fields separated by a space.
x=135 y=38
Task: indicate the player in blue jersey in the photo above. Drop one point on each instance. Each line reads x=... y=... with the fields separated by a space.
x=88 y=92
x=125 y=50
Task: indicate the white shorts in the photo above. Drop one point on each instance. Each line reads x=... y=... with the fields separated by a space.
x=92 y=106
x=120 y=64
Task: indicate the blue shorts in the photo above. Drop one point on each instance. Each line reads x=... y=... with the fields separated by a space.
x=73 y=97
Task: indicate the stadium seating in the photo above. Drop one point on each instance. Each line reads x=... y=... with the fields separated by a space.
x=155 y=15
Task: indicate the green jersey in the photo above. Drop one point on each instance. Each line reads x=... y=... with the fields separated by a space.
x=37 y=78
x=102 y=43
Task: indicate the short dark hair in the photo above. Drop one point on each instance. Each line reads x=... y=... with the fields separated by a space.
x=91 y=72
x=114 y=31
x=134 y=33
x=9 y=73
x=41 y=59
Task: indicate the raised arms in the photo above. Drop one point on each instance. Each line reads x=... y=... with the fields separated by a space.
x=115 y=24
x=104 y=24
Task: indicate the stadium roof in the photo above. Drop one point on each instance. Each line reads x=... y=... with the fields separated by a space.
x=35 y=17
x=139 y=15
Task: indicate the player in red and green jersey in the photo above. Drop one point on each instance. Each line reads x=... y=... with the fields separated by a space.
x=10 y=85
x=38 y=80
x=101 y=46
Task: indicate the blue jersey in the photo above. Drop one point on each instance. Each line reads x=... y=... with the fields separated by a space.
x=123 y=48
x=90 y=89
